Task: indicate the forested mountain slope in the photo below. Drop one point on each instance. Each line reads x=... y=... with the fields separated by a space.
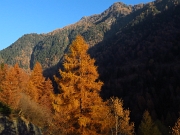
x=136 y=49
x=20 y=51
x=141 y=63
x=49 y=48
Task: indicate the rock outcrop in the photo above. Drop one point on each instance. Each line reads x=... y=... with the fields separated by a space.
x=17 y=126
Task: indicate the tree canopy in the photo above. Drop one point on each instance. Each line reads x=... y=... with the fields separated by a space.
x=79 y=89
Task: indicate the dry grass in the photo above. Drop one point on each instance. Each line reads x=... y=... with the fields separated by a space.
x=35 y=113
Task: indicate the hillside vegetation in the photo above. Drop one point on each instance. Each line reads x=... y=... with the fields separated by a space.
x=123 y=79
x=76 y=108
x=140 y=63
x=49 y=48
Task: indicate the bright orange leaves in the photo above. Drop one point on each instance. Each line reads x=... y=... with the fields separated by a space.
x=79 y=90
x=13 y=80
x=77 y=109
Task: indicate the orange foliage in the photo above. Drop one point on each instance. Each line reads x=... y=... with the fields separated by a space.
x=120 y=120
x=13 y=80
x=39 y=89
x=176 y=128
x=79 y=105
x=35 y=84
x=46 y=97
x=30 y=95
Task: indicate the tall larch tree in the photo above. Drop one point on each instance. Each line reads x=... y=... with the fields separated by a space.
x=47 y=93
x=79 y=102
x=36 y=83
x=40 y=89
x=3 y=72
x=120 y=120
x=12 y=85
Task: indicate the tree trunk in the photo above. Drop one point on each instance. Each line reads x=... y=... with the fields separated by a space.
x=116 y=125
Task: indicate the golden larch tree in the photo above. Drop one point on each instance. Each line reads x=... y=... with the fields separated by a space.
x=47 y=93
x=79 y=102
x=40 y=89
x=120 y=120
x=12 y=85
x=36 y=83
x=3 y=71
x=176 y=128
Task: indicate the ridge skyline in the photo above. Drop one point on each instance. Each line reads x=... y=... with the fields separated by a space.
x=20 y=18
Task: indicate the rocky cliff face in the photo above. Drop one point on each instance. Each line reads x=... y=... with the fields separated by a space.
x=17 y=127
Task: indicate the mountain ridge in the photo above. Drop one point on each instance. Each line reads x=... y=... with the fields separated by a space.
x=141 y=64
x=61 y=38
x=137 y=55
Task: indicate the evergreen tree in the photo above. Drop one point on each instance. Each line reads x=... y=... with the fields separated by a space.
x=79 y=105
x=147 y=126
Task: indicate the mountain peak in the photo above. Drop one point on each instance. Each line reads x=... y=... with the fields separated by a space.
x=117 y=6
x=115 y=10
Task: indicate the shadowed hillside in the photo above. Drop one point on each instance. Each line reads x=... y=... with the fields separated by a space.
x=141 y=64
x=136 y=49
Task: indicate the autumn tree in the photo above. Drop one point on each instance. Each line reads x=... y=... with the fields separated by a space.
x=78 y=100
x=35 y=84
x=4 y=108
x=147 y=126
x=176 y=128
x=47 y=93
x=39 y=88
x=36 y=101
x=3 y=70
x=11 y=85
x=120 y=119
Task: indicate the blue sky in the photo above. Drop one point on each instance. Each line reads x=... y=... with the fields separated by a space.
x=19 y=17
